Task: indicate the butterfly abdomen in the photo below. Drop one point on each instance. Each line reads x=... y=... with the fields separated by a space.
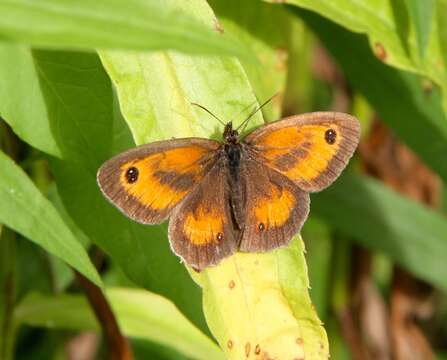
x=233 y=153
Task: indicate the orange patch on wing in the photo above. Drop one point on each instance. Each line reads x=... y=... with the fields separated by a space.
x=274 y=210
x=204 y=226
x=280 y=141
x=149 y=190
x=313 y=160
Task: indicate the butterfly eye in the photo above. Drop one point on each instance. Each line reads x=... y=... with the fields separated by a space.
x=132 y=175
x=330 y=136
x=261 y=227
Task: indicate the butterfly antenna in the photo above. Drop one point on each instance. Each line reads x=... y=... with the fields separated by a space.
x=209 y=112
x=245 y=122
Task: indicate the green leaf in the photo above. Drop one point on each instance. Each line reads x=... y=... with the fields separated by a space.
x=259 y=303
x=421 y=13
x=110 y=24
x=163 y=86
x=269 y=41
x=415 y=114
x=25 y=210
x=156 y=87
x=22 y=104
x=410 y=234
x=79 y=111
x=441 y=12
x=140 y=314
x=392 y=37
x=319 y=248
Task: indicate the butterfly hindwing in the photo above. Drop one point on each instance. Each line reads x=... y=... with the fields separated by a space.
x=310 y=149
x=275 y=208
x=201 y=229
x=148 y=181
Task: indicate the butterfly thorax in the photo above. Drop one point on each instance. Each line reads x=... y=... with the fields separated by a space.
x=230 y=136
x=232 y=148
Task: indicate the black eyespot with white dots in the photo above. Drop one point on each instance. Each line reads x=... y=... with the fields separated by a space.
x=132 y=174
x=219 y=236
x=261 y=227
x=330 y=136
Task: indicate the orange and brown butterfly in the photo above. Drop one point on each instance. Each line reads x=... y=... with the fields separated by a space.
x=249 y=195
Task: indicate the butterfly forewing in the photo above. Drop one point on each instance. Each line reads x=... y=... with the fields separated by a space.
x=310 y=149
x=148 y=182
x=201 y=229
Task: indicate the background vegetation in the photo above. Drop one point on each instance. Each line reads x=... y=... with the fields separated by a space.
x=71 y=265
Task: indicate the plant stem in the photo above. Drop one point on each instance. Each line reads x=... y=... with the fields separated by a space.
x=7 y=292
x=118 y=346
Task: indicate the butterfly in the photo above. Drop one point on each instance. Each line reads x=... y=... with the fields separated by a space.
x=242 y=194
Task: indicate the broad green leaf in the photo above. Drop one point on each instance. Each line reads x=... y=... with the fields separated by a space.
x=79 y=109
x=319 y=248
x=391 y=35
x=421 y=13
x=140 y=314
x=301 y=86
x=378 y=218
x=25 y=210
x=415 y=114
x=110 y=24
x=153 y=88
x=269 y=42
x=22 y=104
x=441 y=12
x=144 y=349
x=163 y=85
x=258 y=306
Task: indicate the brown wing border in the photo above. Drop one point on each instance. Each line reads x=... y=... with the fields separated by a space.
x=303 y=119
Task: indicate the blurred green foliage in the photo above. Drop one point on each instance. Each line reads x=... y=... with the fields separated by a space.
x=82 y=81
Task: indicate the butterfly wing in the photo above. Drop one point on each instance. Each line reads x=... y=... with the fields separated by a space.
x=201 y=229
x=148 y=181
x=310 y=149
x=275 y=208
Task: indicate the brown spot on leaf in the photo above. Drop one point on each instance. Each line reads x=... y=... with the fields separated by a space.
x=231 y=284
x=257 y=349
x=247 y=349
x=299 y=341
x=427 y=86
x=229 y=344
x=218 y=27
x=281 y=59
x=380 y=51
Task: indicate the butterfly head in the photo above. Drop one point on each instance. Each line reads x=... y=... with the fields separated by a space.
x=230 y=135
